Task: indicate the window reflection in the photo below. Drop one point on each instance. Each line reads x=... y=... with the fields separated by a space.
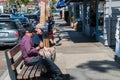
x=101 y=17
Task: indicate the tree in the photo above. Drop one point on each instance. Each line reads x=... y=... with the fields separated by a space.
x=53 y=5
x=25 y=2
x=17 y=2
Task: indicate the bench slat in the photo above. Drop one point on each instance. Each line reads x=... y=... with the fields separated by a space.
x=27 y=73
x=17 y=62
x=22 y=72
x=33 y=71
x=13 y=51
x=38 y=71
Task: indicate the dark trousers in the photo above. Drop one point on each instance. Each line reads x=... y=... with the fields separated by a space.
x=49 y=64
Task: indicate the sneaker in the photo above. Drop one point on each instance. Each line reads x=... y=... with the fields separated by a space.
x=65 y=76
x=62 y=77
x=117 y=59
x=58 y=78
x=57 y=44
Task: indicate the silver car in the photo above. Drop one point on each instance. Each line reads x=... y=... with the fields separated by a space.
x=11 y=32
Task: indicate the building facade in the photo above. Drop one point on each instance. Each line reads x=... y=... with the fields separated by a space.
x=98 y=19
x=111 y=19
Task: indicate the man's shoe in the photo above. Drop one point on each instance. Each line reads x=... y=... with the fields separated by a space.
x=57 y=44
x=115 y=58
x=65 y=76
x=58 y=78
x=62 y=77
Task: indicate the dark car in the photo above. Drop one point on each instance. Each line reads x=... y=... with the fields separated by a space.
x=7 y=16
x=37 y=13
x=32 y=17
x=11 y=31
x=24 y=20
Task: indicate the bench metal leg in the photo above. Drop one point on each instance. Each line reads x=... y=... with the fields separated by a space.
x=9 y=62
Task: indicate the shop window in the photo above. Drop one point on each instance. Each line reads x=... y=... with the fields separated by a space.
x=101 y=22
x=77 y=13
x=101 y=17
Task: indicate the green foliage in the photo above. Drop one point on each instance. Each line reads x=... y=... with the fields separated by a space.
x=17 y=2
x=25 y=1
x=31 y=2
x=10 y=2
x=52 y=6
x=54 y=2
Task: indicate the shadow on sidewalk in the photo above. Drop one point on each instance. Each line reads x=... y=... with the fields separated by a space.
x=100 y=66
x=68 y=33
x=77 y=37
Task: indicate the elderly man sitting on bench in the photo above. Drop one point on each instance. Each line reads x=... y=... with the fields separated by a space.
x=32 y=56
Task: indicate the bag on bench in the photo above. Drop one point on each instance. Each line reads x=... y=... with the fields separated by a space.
x=49 y=53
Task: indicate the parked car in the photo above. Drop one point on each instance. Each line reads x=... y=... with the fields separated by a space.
x=7 y=15
x=11 y=31
x=37 y=13
x=32 y=18
x=25 y=22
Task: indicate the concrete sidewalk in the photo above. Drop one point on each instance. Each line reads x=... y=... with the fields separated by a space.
x=85 y=58
x=82 y=57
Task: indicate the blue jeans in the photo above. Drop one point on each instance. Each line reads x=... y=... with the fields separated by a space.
x=49 y=64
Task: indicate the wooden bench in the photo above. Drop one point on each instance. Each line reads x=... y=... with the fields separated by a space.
x=15 y=62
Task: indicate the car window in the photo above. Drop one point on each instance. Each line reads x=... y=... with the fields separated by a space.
x=8 y=24
x=7 y=16
x=23 y=19
x=31 y=16
x=4 y=15
x=19 y=25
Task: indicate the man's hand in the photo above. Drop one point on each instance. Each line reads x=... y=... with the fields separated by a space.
x=38 y=48
x=41 y=45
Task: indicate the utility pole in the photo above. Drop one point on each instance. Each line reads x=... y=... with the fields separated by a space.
x=44 y=10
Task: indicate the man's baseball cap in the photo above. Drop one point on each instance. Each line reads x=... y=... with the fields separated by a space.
x=30 y=29
x=41 y=26
x=42 y=29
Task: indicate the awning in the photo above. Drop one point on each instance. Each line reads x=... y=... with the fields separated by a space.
x=79 y=0
x=61 y=3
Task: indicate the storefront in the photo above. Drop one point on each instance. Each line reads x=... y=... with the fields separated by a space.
x=92 y=16
x=87 y=4
x=76 y=14
x=99 y=19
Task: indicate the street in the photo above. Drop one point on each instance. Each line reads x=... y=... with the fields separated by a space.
x=3 y=65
